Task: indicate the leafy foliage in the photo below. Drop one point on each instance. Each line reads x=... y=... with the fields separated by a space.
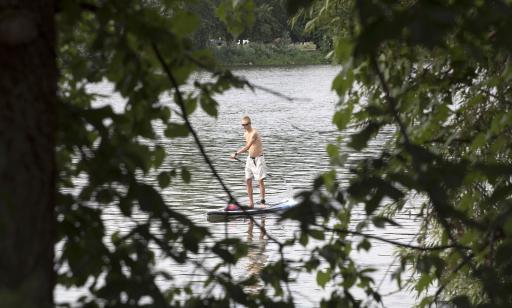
x=438 y=72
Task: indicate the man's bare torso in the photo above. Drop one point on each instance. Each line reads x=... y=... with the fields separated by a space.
x=256 y=148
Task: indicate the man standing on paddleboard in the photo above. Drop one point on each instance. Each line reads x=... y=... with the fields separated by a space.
x=255 y=165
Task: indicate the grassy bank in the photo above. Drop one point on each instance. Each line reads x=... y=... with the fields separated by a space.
x=268 y=54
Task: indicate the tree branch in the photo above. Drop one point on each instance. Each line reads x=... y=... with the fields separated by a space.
x=390 y=99
x=378 y=238
x=246 y=82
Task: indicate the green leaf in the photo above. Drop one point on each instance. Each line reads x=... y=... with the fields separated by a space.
x=190 y=105
x=312 y=264
x=125 y=205
x=364 y=244
x=251 y=281
x=359 y=140
x=349 y=278
x=374 y=202
x=193 y=237
x=333 y=151
x=322 y=277
x=149 y=199
x=342 y=117
x=423 y=283
x=380 y=221
x=181 y=74
x=303 y=240
x=164 y=179
x=159 y=157
x=105 y=195
x=344 y=49
x=116 y=238
x=184 y=23
x=329 y=180
x=175 y=130
x=316 y=234
x=209 y=105
x=186 y=176
x=236 y=14
x=165 y=114
x=224 y=254
x=343 y=82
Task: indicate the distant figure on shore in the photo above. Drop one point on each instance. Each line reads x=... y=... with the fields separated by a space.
x=255 y=165
x=242 y=42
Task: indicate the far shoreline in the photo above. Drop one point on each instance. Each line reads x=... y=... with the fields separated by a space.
x=259 y=54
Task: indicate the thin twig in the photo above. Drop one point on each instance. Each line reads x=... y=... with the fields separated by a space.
x=390 y=99
x=278 y=94
x=325 y=132
x=249 y=84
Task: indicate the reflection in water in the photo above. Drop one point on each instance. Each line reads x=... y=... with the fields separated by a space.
x=256 y=256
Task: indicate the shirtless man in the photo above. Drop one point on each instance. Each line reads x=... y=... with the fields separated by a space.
x=255 y=164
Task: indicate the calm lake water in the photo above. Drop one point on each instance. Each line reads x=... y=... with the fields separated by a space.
x=295 y=154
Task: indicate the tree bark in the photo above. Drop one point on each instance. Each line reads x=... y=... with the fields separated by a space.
x=28 y=90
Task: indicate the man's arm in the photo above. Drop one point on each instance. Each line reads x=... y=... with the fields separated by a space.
x=247 y=146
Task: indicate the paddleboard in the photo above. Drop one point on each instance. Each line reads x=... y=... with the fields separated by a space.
x=246 y=211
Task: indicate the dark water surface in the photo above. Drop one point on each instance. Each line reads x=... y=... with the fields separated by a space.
x=295 y=154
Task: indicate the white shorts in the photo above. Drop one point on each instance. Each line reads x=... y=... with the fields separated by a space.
x=255 y=167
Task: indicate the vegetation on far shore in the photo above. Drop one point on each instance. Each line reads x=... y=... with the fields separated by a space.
x=270 y=54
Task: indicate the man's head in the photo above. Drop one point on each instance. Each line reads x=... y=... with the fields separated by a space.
x=246 y=122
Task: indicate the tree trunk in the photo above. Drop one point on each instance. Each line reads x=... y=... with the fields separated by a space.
x=28 y=83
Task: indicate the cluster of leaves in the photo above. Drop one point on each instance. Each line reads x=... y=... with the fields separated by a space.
x=322 y=20
x=262 y=21
x=439 y=72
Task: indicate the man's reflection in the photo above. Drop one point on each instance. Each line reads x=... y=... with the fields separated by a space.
x=257 y=259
